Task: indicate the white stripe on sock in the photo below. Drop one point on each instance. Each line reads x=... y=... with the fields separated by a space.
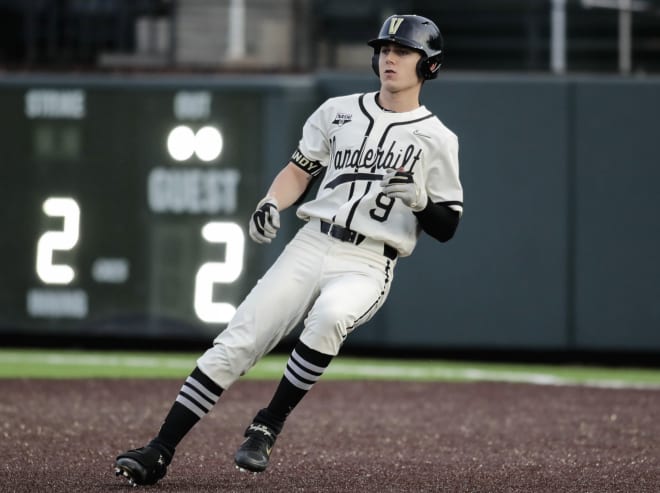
x=301 y=372
x=203 y=390
x=295 y=381
x=306 y=364
x=199 y=399
x=190 y=405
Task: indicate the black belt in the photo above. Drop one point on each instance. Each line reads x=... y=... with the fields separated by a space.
x=350 y=236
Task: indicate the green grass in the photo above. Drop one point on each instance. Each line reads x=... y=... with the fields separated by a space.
x=32 y=363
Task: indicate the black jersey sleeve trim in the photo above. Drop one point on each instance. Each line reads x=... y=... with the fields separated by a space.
x=439 y=220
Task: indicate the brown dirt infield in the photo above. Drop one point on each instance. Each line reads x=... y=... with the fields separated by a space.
x=62 y=436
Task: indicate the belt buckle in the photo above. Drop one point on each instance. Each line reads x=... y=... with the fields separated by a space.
x=341 y=233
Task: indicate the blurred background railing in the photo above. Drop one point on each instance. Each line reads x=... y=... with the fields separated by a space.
x=296 y=36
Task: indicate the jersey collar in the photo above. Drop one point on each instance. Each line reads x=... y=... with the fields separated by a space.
x=372 y=106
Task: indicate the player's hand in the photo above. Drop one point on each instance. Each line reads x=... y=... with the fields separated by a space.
x=399 y=184
x=265 y=221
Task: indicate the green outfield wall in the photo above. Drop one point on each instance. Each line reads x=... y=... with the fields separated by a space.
x=558 y=248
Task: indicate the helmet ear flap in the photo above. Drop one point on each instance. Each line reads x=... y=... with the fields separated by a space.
x=374 y=62
x=427 y=67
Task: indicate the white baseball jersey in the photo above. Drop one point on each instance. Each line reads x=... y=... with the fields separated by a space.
x=357 y=141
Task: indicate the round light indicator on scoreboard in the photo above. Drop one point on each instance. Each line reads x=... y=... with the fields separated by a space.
x=208 y=143
x=183 y=142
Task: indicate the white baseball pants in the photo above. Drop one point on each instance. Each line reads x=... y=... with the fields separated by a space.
x=335 y=286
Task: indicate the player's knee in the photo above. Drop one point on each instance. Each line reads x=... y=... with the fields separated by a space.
x=332 y=319
x=327 y=329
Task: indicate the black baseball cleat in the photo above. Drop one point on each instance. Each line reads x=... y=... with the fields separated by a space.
x=254 y=452
x=142 y=466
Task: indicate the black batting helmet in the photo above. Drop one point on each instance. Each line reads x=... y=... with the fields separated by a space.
x=416 y=32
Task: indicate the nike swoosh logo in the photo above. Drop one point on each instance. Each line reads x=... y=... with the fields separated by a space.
x=420 y=134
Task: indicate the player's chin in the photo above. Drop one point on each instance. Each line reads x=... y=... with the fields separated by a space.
x=389 y=84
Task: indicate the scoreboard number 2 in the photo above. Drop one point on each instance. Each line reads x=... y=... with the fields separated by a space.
x=225 y=272
x=51 y=241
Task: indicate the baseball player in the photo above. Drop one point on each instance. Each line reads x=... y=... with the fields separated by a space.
x=388 y=170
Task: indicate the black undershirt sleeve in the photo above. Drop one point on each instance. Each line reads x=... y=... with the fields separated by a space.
x=438 y=220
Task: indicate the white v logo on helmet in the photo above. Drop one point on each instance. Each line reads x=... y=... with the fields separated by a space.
x=395 y=22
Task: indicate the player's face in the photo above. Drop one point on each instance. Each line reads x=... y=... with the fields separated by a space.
x=398 y=67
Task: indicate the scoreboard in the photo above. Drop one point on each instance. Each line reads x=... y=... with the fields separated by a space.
x=125 y=207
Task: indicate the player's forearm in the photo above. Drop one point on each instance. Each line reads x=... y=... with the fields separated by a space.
x=289 y=185
x=439 y=221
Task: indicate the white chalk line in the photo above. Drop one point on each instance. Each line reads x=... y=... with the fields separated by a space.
x=393 y=372
x=337 y=369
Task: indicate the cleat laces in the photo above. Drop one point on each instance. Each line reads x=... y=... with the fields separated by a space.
x=259 y=437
